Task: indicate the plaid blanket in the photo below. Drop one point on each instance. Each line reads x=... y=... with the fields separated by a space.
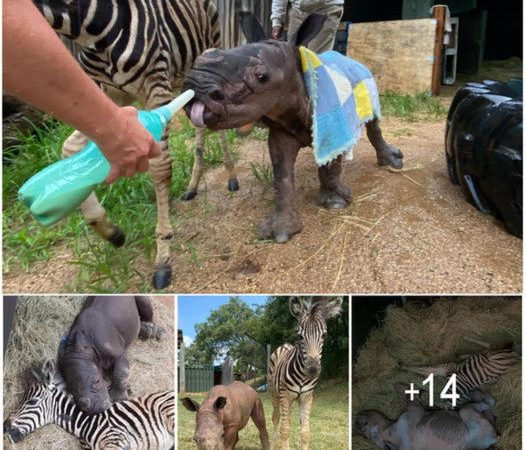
x=344 y=97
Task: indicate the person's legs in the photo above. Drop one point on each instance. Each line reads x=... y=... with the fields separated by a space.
x=295 y=19
x=324 y=41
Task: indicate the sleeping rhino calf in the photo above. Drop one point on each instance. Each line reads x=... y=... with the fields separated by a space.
x=470 y=428
x=225 y=411
x=263 y=81
x=96 y=348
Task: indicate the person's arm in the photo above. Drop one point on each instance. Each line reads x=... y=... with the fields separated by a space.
x=279 y=10
x=40 y=70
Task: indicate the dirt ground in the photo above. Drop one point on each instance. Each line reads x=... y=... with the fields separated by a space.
x=38 y=326
x=409 y=232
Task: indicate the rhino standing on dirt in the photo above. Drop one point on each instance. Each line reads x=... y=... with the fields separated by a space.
x=263 y=81
x=226 y=410
x=469 y=428
x=96 y=348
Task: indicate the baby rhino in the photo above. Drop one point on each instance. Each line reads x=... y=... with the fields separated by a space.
x=225 y=411
x=470 y=428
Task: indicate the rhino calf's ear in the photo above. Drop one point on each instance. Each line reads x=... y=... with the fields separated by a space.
x=190 y=405
x=251 y=27
x=220 y=403
x=308 y=30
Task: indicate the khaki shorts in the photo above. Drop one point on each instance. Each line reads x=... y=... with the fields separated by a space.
x=325 y=39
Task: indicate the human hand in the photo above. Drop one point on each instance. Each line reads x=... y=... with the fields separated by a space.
x=127 y=145
x=277 y=32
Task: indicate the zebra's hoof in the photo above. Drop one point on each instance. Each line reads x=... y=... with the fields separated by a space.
x=188 y=195
x=233 y=185
x=118 y=238
x=162 y=277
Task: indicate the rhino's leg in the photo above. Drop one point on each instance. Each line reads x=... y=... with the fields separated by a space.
x=258 y=417
x=286 y=409
x=92 y=210
x=387 y=154
x=233 y=183
x=230 y=438
x=284 y=222
x=481 y=433
x=305 y=408
x=198 y=168
x=121 y=373
x=149 y=329
x=333 y=194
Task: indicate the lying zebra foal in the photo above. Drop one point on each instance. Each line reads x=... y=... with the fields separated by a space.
x=146 y=422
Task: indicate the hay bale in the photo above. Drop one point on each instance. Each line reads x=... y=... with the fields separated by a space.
x=421 y=335
x=38 y=326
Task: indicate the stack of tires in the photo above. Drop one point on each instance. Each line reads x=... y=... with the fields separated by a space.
x=484 y=148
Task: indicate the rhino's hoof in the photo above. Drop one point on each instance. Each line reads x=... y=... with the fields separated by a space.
x=118 y=238
x=162 y=277
x=160 y=334
x=392 y=157
x=188 y=195
x=338 y=198
x=282 y=237
x=233 y=185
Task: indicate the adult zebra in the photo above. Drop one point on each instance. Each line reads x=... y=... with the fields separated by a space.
x=294 y=369
x=473 y=374
x=146 y=422
x=139 y=50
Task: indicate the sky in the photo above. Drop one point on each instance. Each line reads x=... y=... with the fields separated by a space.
x=194 y=309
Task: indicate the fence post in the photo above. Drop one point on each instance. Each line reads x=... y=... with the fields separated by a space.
x=182 y=370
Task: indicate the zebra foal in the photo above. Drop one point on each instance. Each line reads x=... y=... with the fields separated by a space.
x=294 y=369
x=139 y=50
x=146 y=422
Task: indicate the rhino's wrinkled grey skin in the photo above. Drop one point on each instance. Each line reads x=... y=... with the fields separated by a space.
x=262 y=81
x=224 y=412
x=96 y=347
x=469 y=428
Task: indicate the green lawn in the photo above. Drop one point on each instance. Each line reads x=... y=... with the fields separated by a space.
x=329 y=421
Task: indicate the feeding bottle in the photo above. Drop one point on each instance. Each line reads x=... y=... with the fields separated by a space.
x=60 y=188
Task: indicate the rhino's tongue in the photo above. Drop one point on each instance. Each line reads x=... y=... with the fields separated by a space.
x=197 y=112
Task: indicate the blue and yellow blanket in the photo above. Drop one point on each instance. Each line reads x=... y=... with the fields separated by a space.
x=344 y=97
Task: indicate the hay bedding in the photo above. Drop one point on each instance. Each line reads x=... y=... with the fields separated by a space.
x=417 y=335
x=38 y=325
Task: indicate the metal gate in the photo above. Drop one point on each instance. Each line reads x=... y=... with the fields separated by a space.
x=199 y=379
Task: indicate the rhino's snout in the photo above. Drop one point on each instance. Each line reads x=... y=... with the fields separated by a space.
x=87 y=405
x=13 y=434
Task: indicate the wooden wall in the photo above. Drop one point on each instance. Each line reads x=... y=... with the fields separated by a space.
x=399 y=53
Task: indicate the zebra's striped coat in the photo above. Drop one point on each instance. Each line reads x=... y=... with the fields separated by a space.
x=294 y=369
x=139 y=50
x=146 y=422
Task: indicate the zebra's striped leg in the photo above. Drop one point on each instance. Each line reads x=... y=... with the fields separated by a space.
x=233 y=183
x=197 y=170
x=275 y=420
x=161 y=172
x=92 y=210
x=305 y=401
x=285 y=402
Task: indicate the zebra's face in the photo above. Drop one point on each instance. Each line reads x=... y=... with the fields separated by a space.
x=312 y=330
x=237 y=86
x=35 y=410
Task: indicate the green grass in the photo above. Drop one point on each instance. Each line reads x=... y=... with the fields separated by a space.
x=412 y=108
x=130 y=203
x=329 y=421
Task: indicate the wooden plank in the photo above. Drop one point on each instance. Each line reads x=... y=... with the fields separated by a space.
x=399 y=53
x=439 y=13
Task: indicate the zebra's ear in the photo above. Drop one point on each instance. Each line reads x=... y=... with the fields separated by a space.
x=48 y=371
x=299 y=306
x=190 y=405
x=220 y=403
x=332 y=307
